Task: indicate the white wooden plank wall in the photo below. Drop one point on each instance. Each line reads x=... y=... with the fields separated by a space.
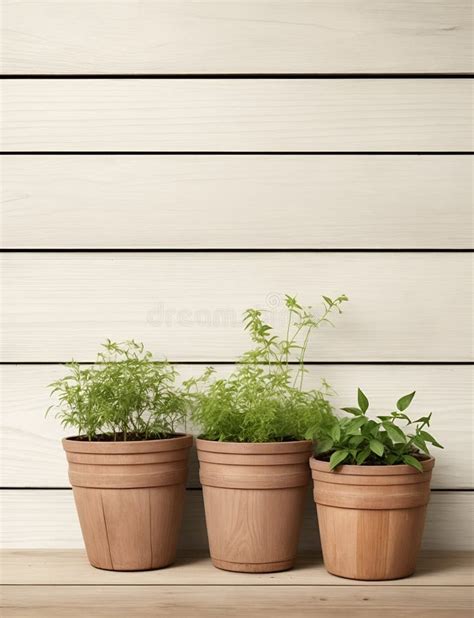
x=166 y=165
x=188 y=306
x=240 y=36
x=232 y=115
x=253 y=201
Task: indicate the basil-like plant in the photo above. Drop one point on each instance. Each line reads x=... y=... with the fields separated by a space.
x=126 y=395
x=365 y=441
x=263 y=400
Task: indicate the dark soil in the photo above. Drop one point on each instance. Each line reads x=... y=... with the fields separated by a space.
x=285 y=439
x=119 y=437
x=372 y=462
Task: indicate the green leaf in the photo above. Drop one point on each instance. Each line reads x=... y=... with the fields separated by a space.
x=323 y=446
x=354 y=411
x=362 y=401
x=420 y=443
x=328 y=300
x=391 y=458
x=425 y=420
x=368 y=431
x=335 y=433
x=362 y=456
x=394 y=433
x=429 y=438
x=405 y=401
x=401 y=416
x=337 y=458
x=376 y=447
x=291 y=302
x=413 y=462
x=375 y=430
x=356 y=440
x=352 y=428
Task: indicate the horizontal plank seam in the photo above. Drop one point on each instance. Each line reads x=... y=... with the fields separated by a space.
x=294 y=363
x=362 y=584
x=237 y=152
x=231 y=250
x=238 y=76
x=42 y=488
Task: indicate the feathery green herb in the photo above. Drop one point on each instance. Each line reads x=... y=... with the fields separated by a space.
x=263 y=400
x=124 y=396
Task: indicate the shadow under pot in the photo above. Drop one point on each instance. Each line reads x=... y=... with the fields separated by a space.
x=254 y=496
x=129 y=497
x=371 y=518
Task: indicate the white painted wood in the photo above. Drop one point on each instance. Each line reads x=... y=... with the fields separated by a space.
x=70 y=36
x=444 y=390
x=237 y=115
x=237 y=202
x=47 y=519
x=188 y=306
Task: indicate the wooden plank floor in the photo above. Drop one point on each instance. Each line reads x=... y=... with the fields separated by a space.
x=60 y=583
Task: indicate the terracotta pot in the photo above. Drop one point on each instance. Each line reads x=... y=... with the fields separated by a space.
x=254 y=497
x=129 y=497
x=371 y=518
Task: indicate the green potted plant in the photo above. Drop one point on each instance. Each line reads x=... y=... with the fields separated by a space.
x=252 y=452
x=127 y=464
x=371 y=488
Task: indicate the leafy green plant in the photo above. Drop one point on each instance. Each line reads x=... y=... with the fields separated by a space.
x=124 y=396
x=263 y=400
x=364 y=441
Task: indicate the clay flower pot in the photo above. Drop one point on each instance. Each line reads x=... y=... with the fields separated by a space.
x=254 y=498
x=371 y=518
x=129 y=497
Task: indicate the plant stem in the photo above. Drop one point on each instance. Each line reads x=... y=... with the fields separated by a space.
x=302 y=355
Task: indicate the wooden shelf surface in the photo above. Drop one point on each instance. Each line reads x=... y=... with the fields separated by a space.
x=40 y=583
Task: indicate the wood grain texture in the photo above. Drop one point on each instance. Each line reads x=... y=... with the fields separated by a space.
x=211 y=602
x=47 y=519
x=238 y=116
x=129 y=498
x=184 y=306
x=66 y=36
x=371 y=518
x=445 y=390
x=236 y=202
x=70 y=566
x=254 y=497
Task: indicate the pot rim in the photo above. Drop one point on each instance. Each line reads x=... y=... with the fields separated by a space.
x=382 y=470
x=254 y=448
x=179 y=441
